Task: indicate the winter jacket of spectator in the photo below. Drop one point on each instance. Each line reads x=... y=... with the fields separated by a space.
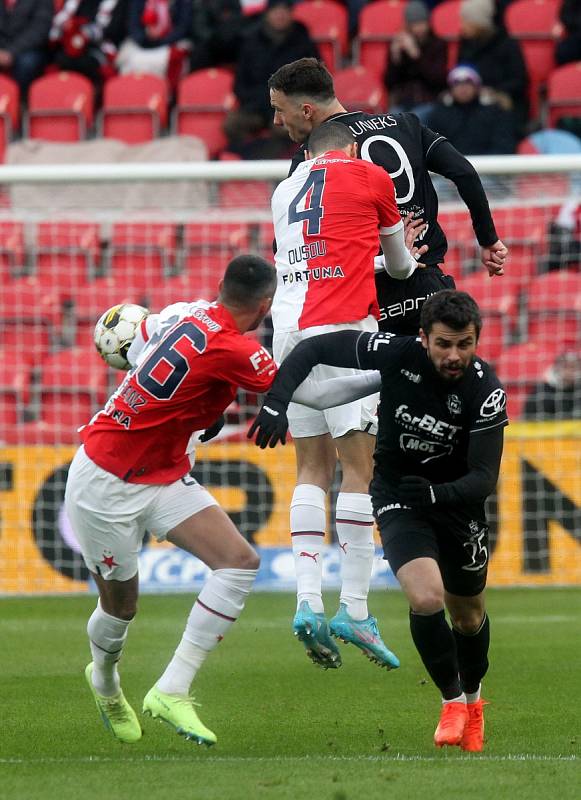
x=499 y=62
x=418 y=80
x=107 y=19
x=260 y=56
x=26 y=26
x=181 y=12
x=474 y=128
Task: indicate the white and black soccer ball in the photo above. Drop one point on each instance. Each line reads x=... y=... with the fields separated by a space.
x=115 y=331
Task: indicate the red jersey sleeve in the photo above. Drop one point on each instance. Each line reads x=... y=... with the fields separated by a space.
x=248 y=365
x=383 y=193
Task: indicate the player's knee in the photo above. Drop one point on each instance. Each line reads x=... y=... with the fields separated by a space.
x=125 y=609
x=247 y=559
x=427 y=601
x=467 y=621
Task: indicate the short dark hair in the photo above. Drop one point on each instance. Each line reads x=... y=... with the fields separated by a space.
x=453 y=308
x=248 y=279
x=307 y=76
x=329 y=136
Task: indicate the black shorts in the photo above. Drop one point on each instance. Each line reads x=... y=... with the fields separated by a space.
x=456 y=540
x=400 y=302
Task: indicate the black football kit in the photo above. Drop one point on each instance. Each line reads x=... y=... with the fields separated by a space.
x=439 y=445
x=408 y=150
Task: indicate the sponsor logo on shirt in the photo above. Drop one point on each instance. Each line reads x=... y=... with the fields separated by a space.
x=454 y=404
x=494 y=404
x=313 y=274
x=436 y=427
x=412 y=445
x=261 y=361
x=408 y=306
x=411 y=376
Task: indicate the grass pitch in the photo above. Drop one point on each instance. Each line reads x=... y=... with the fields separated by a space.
x=285 y=728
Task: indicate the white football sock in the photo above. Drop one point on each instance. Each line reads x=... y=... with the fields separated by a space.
x=460 y=699
x=308 y=520
x=107 y=636
x=354 y=520
x=473 y=697
x=219 y=604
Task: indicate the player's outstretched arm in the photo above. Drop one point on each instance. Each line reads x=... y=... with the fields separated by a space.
x=335 y=349
x=336 y=391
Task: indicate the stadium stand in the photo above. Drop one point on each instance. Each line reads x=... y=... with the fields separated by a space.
x=520 y=367
x=553 y=307
x=445 y=19
x=134 y=108
x=328 y=25
x=360 y=89
x=564 y=93
x=12 y=249
x=9 y=111
x=60 y=107
x=67 y=255
x=379 y=22
x=203 y=100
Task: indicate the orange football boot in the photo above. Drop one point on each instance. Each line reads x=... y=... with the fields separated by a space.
x=473 y=738
x=453 y=720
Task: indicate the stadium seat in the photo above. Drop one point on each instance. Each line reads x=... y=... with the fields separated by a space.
x=206 y=250
x=520 y=367
x=203 y=100
x=524 y=231
x=30 y=318
x=67 y=255
x=9 y=111
x=360 y=90
x=60 y=107
x=245 y=194
x=498 y=302
x=445 y=20
x=461 y=255
x=553 y=307
x=141 y=254
x=101 y=294
x=530 y=22
x=564 y=92
x=12 y=248
x=15 y=375
x=379 y=22
x=327 y=23
x=134 y=108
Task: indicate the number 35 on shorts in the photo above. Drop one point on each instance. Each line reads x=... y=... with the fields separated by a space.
x=476 y=546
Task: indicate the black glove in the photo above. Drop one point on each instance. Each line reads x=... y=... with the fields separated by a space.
x=213 y=430
x=270 y=425
x=417 y=492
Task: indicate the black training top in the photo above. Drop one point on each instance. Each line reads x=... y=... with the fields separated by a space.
x=447 y=432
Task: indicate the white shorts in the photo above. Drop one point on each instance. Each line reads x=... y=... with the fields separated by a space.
x=110 y=517
x=360 y=415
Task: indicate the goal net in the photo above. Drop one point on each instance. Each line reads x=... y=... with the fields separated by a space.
x=76 y=240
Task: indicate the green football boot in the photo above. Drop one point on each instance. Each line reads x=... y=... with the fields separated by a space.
x=179 y=712
x=116 y=713
x=365 y=635
x=312 y=630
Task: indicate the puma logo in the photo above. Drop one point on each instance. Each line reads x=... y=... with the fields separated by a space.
x=314 y=556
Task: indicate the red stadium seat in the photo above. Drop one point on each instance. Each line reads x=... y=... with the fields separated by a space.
x=379 y=22
x=327 y=23
x=30 y=318
x=15 y=377
x=554 y=307
x=445 y=20
x=12 y=248
x=360 y=90
x=521 y=366
x=461 y=253
x=134 y=108
x=9 y=111
x=564 y=92
x=204 y=98
x=181 y=289
x=498 y=302
x=100 y=295
x=67 y=255
x=141 y=254
x=207 y=248
x=60 y=107
x=524 y=231
x=245 y=194
x=531 y=23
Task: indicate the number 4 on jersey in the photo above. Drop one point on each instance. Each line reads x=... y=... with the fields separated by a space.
x=313 y=211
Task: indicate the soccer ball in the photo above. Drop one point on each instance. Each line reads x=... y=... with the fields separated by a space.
x=115 y=331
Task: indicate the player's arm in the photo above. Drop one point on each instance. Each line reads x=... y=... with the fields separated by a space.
x=443 y=159
x=336 y=391
x=484 y=455
x=343 y=349
x=143 y=334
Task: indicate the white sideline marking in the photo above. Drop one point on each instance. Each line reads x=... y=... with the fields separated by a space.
x=396 y=757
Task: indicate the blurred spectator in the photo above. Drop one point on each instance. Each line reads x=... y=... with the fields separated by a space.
x=565 y=238
x=496 y=56
x=568 y=29
x=158 y=39
x=218 y=27
x=473 y=124
x=85 y=35
x=416 y=73
x=24 y=29
x=277 y=40
x=559 y=396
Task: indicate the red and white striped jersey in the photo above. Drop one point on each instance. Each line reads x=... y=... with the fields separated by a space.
x=190 y=361
x=327 y=219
